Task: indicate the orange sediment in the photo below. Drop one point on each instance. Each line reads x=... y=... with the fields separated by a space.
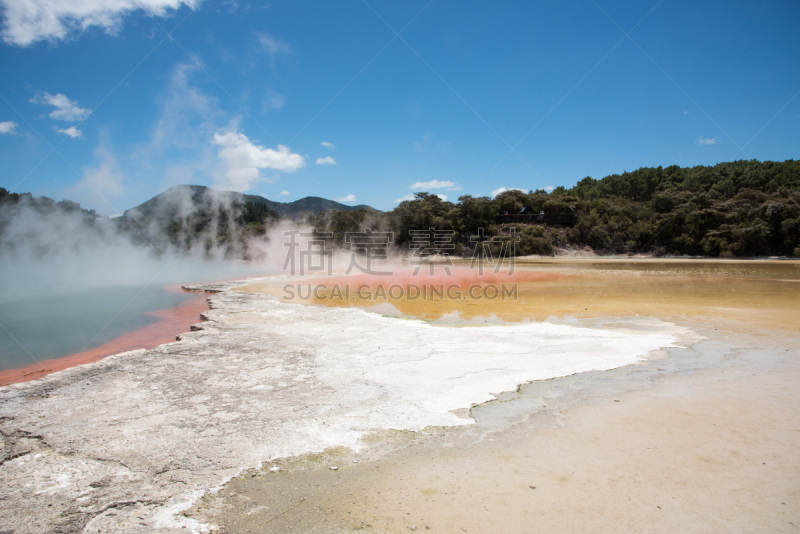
x=469 y=292
x=171 y=321
x=428 y=291
x=759 y=294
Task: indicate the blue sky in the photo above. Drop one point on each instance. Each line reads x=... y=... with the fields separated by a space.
x=109 y=102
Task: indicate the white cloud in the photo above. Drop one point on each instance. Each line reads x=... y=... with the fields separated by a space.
x=435 y=184
x=347 y=198
x=101 y=183
x=72 y=131
x=430 y=144
x=105 y=179
x=326 y=144
x=273 y=100
x=65 y=109
x=504 y=189
x=549 y=188
x=27 y=22
x=243 y=160
x=327 y=160
x=411 y=196
x=186 y=114
x=181 y=173
x=706 y=140
x=284 y=192
x=8 y=127
x=272 y=45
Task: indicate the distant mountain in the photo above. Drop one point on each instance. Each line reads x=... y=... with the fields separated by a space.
x=315 y=205
x=184 y=198
x=193 y=217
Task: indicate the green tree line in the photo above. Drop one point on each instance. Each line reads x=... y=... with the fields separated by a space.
x=733 y=209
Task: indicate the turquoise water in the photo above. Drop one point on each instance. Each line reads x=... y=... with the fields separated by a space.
x=41 y=328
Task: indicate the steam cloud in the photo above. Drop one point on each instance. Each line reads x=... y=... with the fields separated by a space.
x=56 y=248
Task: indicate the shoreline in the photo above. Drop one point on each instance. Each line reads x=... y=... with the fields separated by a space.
x=711 y=447
x=241 y=422
x=705 y=437
x=171 y=323
x=158 y=429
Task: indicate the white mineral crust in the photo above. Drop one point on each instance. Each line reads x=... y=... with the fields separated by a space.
x=127 y=443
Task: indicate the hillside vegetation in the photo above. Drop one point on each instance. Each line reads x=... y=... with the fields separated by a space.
x=734 y=209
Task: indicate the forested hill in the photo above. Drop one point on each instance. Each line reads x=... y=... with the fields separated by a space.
x=740 y=208
x=720 y=182
x=192 y=216
x=183 y=219
x=191 y=197
x=736 y=209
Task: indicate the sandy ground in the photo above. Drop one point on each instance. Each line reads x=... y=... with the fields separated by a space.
x=702 y=437
x=128 y=443
x=710 y=446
